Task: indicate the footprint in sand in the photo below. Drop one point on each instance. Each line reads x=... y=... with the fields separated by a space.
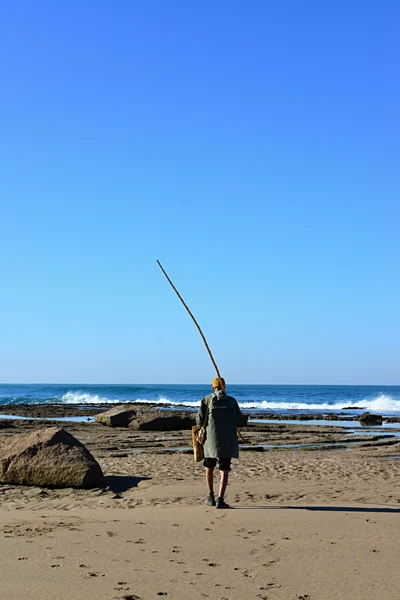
x=269 y=586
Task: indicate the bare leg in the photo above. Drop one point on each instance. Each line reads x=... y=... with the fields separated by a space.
x=210 y=480
x=223 y=483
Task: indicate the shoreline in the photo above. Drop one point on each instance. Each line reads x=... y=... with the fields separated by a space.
x=47 y=410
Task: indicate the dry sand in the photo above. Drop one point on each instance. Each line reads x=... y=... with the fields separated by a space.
x=320 y=525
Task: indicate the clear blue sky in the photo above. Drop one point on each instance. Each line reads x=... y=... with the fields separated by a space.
x=252 y=146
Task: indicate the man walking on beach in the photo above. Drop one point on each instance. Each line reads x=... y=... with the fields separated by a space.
x=220 y=416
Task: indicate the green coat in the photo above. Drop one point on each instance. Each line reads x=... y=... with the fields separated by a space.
x=220 y=415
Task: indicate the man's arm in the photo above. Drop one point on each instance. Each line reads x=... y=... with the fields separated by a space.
x=201 y=417
x=240 y=417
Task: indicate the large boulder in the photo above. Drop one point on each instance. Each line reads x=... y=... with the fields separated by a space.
x=368 y=419
x=162 y=421
x=49 y=457
x=119 y=416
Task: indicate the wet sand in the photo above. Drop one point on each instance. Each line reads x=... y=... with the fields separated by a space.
x=306 y=524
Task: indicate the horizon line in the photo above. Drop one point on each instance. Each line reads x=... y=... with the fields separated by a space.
x=206 y=384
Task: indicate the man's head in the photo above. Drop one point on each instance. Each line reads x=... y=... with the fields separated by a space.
x=218 y=384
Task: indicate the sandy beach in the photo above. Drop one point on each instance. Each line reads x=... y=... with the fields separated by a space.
x=313 y=522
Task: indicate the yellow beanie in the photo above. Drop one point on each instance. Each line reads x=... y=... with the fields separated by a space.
x=218 y=382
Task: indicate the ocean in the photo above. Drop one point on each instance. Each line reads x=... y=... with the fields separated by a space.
x=284 y=399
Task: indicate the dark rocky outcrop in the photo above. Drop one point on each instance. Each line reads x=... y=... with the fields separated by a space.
x=6 y=424
x=369 y=419
x=119 y=416
x=49 y=457
x=162 y=421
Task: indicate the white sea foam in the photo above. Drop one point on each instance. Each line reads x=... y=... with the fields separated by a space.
x=159 y=401
x=79 y=397
x=84 y=398
x=382 y=403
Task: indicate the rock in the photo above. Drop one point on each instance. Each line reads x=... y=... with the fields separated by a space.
x=119 y=416
x=336 y=418
x=6 y=424
x=49 y=410
x=162 y=421
x=352 y=408
x=49 y=457
x=368 y=419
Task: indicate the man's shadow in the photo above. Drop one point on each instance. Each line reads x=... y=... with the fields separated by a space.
x=344 y=509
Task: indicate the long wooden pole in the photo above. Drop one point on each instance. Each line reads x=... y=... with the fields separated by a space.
x=193 y=318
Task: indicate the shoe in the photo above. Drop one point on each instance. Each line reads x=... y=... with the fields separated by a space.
x=210 y=500
x=222 y=504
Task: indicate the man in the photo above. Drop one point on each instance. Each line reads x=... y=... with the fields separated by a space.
x=220 y=415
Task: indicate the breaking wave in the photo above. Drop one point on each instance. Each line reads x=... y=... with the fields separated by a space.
x=381 y=403
x=85 y=398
